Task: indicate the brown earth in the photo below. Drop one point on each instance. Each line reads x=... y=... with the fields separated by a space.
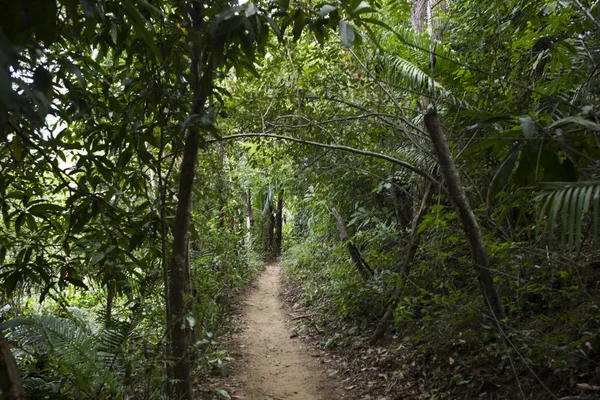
x=275 y=365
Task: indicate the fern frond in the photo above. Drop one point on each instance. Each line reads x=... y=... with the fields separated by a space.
x=78 y=357
x=33 y=384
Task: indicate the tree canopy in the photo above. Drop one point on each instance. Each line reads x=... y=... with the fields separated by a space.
x=153 y=152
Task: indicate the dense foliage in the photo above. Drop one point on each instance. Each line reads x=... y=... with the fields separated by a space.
x=300 y=126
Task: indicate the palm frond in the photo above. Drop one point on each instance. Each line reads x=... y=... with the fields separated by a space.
x=267 y=200
x=572 y=202
x=404 y=73
x=417 y=157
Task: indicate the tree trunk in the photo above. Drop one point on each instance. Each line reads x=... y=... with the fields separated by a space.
x=165 y=266
x=179 y=336
x=250 y=211
x=110 y=295
x=470 y=225
x=410 y=251
x=363 y=268
x=188 y=295
x=279 y=224
x=270 y=232
x=10 y=379
x=220 y=184
x=415 y=237
x=249 y=218
x=400 y=209
x=417 y=18
x=202 y=81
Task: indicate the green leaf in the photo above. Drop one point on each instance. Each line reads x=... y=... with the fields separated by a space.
x=573 y=200
x=42 y=80
x=584 y=193
x=15 y=322
x=573 y=213
x=346 y=33
x=42 y=210
x=554 y=210
x=96 y=258
x=223 y=393
x=31 y=224
x=578 y=120
x=362 y=8
x=76 y=282
x=140 y=27
x=503 y=173
x=299 y=23
x=326 y=10
x=10 y=282
x=250 y=9
x=375 y=21
x=88 y=9
x=565 y=217
x=273 y=26
x=191 y=321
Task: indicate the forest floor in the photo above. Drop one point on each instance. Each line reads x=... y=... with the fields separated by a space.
x=272 y=363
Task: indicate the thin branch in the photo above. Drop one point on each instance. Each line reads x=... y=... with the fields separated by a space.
x=393 y=99
x=587 y=14
x=348 y=149
x=419 y=133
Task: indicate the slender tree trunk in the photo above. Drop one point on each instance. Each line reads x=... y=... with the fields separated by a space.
x=361 y=265
x=270 y=233
x=10 y=379
x=400 y=209
x=110 y=295
x=249 y=218
x=165 y=261
x=179 y=336
x=250 y=211
x=222 y=204
x=470 y=225
x=410 y=251
x=202 y=81
x=279 y=224
x=189 y=294
x=415 y=237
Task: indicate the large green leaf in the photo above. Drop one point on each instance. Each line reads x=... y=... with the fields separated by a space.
x=347 y=34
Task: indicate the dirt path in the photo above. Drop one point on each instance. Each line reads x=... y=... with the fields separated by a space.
x=276 y=366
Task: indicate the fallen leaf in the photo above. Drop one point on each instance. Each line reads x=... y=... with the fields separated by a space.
x=587 y=386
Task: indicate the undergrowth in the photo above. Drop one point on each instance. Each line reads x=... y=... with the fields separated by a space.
x=548 y=346
x=68 y=352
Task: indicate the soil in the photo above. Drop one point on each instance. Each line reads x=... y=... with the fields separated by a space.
x=275 y=364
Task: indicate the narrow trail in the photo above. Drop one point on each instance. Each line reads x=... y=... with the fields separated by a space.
x=276 y=366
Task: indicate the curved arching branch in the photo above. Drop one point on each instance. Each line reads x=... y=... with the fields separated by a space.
x=348 y=149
